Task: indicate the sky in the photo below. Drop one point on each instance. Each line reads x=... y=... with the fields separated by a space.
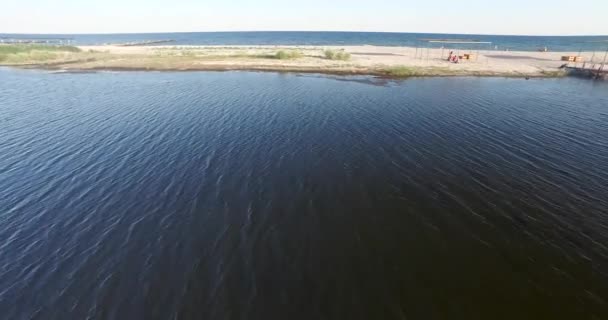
x=515 y=17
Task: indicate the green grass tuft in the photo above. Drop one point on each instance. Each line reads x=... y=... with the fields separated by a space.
x=22 y=53
x=401 y=71
x=405 y=71
x=288 y=55
x=553 y=74
x=337 y=55
x=18 y=48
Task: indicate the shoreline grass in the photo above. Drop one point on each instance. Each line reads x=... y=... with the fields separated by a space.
x=407 y=71
x=18 y=48
x=554 y=74
x=288 y=54
x=195 y=59
x=31 y=53
x=337 y=55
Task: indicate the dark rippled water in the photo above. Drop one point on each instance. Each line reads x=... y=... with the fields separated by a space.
x=267 y=196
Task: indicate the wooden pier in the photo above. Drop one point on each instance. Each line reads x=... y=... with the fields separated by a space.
x=592 y=71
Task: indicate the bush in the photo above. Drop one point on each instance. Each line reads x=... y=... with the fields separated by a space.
x=337 y=55
x=401 y=71
x=286 y=55
x=21 y=52
x=405 y=71
x=29 y=57
x=16 y=48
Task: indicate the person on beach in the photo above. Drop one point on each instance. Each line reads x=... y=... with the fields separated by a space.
x=450 y=56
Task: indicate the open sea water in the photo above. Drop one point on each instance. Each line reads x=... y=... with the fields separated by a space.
x=496 y=42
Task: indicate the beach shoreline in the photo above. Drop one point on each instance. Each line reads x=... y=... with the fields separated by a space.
x=390 y=62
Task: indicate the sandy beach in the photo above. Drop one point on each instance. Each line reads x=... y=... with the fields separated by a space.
x=363 y=60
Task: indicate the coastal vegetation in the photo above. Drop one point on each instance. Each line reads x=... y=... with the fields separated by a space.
x=288 y=54
x=225 y=53
x=553 y=73
x=406 y=71
x=337 y=55
x=26 y=53
x=430 y=71
x=385 y=62
x=24 y=48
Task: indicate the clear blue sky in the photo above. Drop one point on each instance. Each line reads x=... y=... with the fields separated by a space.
x=538 y=17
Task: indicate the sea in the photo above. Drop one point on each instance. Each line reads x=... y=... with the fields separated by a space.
x=245 y=195
x=427 y=40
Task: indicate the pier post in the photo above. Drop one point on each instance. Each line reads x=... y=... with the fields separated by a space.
x=601 y=69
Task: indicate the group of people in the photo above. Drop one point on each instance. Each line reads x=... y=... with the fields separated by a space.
x=453 y=57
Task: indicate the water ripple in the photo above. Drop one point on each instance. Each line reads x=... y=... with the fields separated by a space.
x=263 y=196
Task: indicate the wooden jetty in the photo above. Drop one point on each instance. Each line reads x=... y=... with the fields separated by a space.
x=592 y=71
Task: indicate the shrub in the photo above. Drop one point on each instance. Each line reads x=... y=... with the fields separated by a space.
x=337 y=55
x=401 y=71
x=405 y=71
x=286 y=55
x=29 y=57
x=21 y=52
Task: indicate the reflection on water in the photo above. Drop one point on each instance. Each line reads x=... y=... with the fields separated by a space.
x=266 y=196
